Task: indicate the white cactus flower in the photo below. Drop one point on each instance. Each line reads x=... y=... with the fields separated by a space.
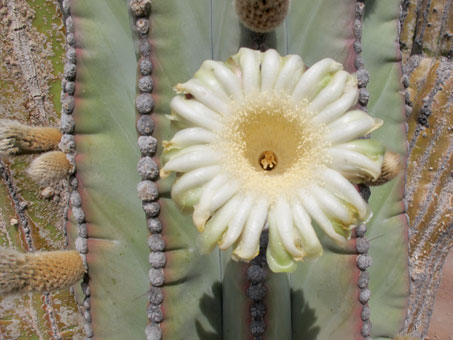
x=265 y=142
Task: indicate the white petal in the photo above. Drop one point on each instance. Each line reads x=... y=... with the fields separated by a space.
x=250 y=67
x=278 y=258
x=270 y=67
x=331 y=92
x=190 y=136
x=237 y=222
x=202 y=210
x=292 y=69
x=345 y=190
x=204 y=95
x=331 y=205
x=310 y=242
x=195 y=112
x=286 y=230
x=209 y=81
x=248 y=246
x=217 y=224
x=230 y=81
x=193 y=157
x=341 y=105
x=352 y=125
x=193 y=179
x=309 y=83
x=312 y=207
x=354 y=165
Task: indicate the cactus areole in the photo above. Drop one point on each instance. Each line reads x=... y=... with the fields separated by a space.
x=265 y=142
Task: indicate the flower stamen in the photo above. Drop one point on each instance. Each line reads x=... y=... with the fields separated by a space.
x=268 y=160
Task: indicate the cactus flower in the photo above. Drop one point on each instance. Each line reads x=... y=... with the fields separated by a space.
x=266 y=143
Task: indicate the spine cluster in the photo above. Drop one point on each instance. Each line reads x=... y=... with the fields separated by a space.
x=148 y=169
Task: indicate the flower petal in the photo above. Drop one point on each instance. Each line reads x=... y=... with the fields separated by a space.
x=331 y=92
x=333 y=207
x=342 y=188
x=230 y=81
x=191 y=158
x=309 y=83
x=236 y=224
x=188 y=137
x=249 y=60
x=370 y=148
x=224 y=193
x=194 y=179
x=278 y=259
x=204 y=95
x=217 y=224
x=312 y=207
x=352 y=125
x=286 y=230
x=209 y=81
x=292 y=69
x=354 y=166
x=310 y=242
x=270 y=67
x=195 y=113
x=202 y=210
x=341 y=105
x=248 y=246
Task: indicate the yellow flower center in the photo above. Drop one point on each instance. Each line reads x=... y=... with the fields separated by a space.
x=271 y=145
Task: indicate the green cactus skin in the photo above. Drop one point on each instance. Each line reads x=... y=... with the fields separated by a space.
x=204 y=295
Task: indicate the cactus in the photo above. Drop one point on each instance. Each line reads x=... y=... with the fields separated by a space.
x=210 y=296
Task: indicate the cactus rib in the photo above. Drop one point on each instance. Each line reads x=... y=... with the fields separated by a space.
x=147 y=168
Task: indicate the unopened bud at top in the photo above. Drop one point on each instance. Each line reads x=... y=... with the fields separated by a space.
x=261 y=15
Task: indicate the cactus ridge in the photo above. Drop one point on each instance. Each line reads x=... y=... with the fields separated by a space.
x=67 y=127
x=362 y=244
x=146 y=167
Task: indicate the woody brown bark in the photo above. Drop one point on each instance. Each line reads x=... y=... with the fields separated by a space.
x=426 y=45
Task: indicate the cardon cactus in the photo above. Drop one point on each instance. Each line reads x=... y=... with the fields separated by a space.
x=144 y=272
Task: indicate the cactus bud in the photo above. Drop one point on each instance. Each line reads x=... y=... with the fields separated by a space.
x=391 y=167
x=49 y=168
x=41 y=271
x=16 y=137
x=261 y=15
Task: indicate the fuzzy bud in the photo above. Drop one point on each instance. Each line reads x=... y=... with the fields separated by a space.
x=49 y=168
x=391 y=167
x=39 y=272
x=18 y=138
x=261 y=15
